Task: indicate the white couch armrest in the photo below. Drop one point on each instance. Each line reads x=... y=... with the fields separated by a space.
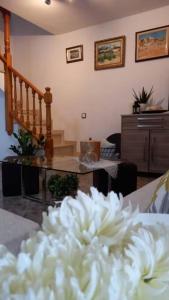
x=14 y=229
x=142 y=197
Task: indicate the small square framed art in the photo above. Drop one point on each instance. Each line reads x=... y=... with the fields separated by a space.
x=74 y=54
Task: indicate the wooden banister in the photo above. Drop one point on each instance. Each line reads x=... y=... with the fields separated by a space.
x=19 y=75
x=23 y=97
x=33 y=104
x=29 y=83
x=49 y=140
x=8 y=77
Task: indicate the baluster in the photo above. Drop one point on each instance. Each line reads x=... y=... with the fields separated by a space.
x=21 y=101
x=49 y=140
x=8 y=100
x=8 y=74
x=34 y=113
x=15 y=97
x=12 y=94
x=27 y=105
x=40 y=115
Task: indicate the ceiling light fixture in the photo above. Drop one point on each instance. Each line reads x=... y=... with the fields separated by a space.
x=48 y=2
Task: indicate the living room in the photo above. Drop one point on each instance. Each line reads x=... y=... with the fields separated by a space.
x=77 y=88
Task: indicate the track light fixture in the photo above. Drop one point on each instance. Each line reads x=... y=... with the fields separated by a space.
x=48 y=2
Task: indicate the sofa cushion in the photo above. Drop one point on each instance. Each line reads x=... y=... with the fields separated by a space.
x=14 y=229
x=160 y=198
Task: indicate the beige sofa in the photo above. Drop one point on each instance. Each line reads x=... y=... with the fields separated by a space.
x=14 y=229
x=142 y=197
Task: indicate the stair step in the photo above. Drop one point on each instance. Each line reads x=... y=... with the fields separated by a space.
x=58 y=136
x=67 y=148
x=61 y=147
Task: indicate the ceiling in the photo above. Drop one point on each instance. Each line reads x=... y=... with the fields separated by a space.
x=67 y=15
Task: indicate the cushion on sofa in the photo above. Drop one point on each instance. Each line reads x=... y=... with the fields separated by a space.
x=160 y=198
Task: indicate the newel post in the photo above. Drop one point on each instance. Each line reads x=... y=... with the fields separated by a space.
x=8 y=75
x=49 y=139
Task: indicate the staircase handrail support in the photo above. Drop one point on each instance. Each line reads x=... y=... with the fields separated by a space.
x=21 y=77
x=45 y=96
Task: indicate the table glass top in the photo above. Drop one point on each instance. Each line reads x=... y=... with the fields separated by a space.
x=66 y=164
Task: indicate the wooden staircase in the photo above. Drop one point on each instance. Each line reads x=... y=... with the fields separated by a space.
x=28 y=106
x=60 y=146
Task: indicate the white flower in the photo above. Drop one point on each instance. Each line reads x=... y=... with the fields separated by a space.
x=89 y=249
x=62 y=272
x=148 y=268
x=87 y=217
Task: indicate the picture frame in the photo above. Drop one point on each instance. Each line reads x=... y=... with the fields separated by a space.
x=110 y=53
x=74 y=54
x=152 y=43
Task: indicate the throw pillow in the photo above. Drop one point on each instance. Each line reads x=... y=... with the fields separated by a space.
x=107 y=150
x=160 y=199
x=106 y=144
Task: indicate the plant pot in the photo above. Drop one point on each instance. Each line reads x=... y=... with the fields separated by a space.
x=142 y=106
x=11 y=179
x=30 y=180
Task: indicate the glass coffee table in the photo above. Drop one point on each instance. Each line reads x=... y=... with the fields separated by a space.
x=41 y=165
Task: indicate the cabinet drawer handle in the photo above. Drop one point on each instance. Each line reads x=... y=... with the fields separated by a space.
x=151 y=118
x=149 y=126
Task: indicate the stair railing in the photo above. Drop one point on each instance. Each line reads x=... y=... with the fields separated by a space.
x=28 y=106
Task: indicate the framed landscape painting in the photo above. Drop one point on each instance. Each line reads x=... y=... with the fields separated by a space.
x=110 y=53
x=152 y=44
x=74 y=54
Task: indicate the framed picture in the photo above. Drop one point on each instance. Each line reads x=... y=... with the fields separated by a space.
x=152 y=44
x=74 y=54
x=110 y=53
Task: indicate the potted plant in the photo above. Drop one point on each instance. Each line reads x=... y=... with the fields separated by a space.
x=143 y=97
x=26 y=145
x=30 y=175
x=61 y=186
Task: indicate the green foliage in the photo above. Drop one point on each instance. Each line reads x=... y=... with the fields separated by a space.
x=143 y=96
x=106 y=56
x=26 y=146
x=101 y=58
x=61 y=186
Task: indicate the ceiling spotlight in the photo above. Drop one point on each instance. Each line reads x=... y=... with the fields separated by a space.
x=48 y=2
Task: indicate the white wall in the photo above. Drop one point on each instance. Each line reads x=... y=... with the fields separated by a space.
x=103 y=95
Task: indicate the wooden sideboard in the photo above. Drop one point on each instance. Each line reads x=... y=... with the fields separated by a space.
x=145 y=141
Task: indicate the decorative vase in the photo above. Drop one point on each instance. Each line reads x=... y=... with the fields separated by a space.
x=142 y=107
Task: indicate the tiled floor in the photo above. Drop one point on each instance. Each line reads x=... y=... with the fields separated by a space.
x=33 y=210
